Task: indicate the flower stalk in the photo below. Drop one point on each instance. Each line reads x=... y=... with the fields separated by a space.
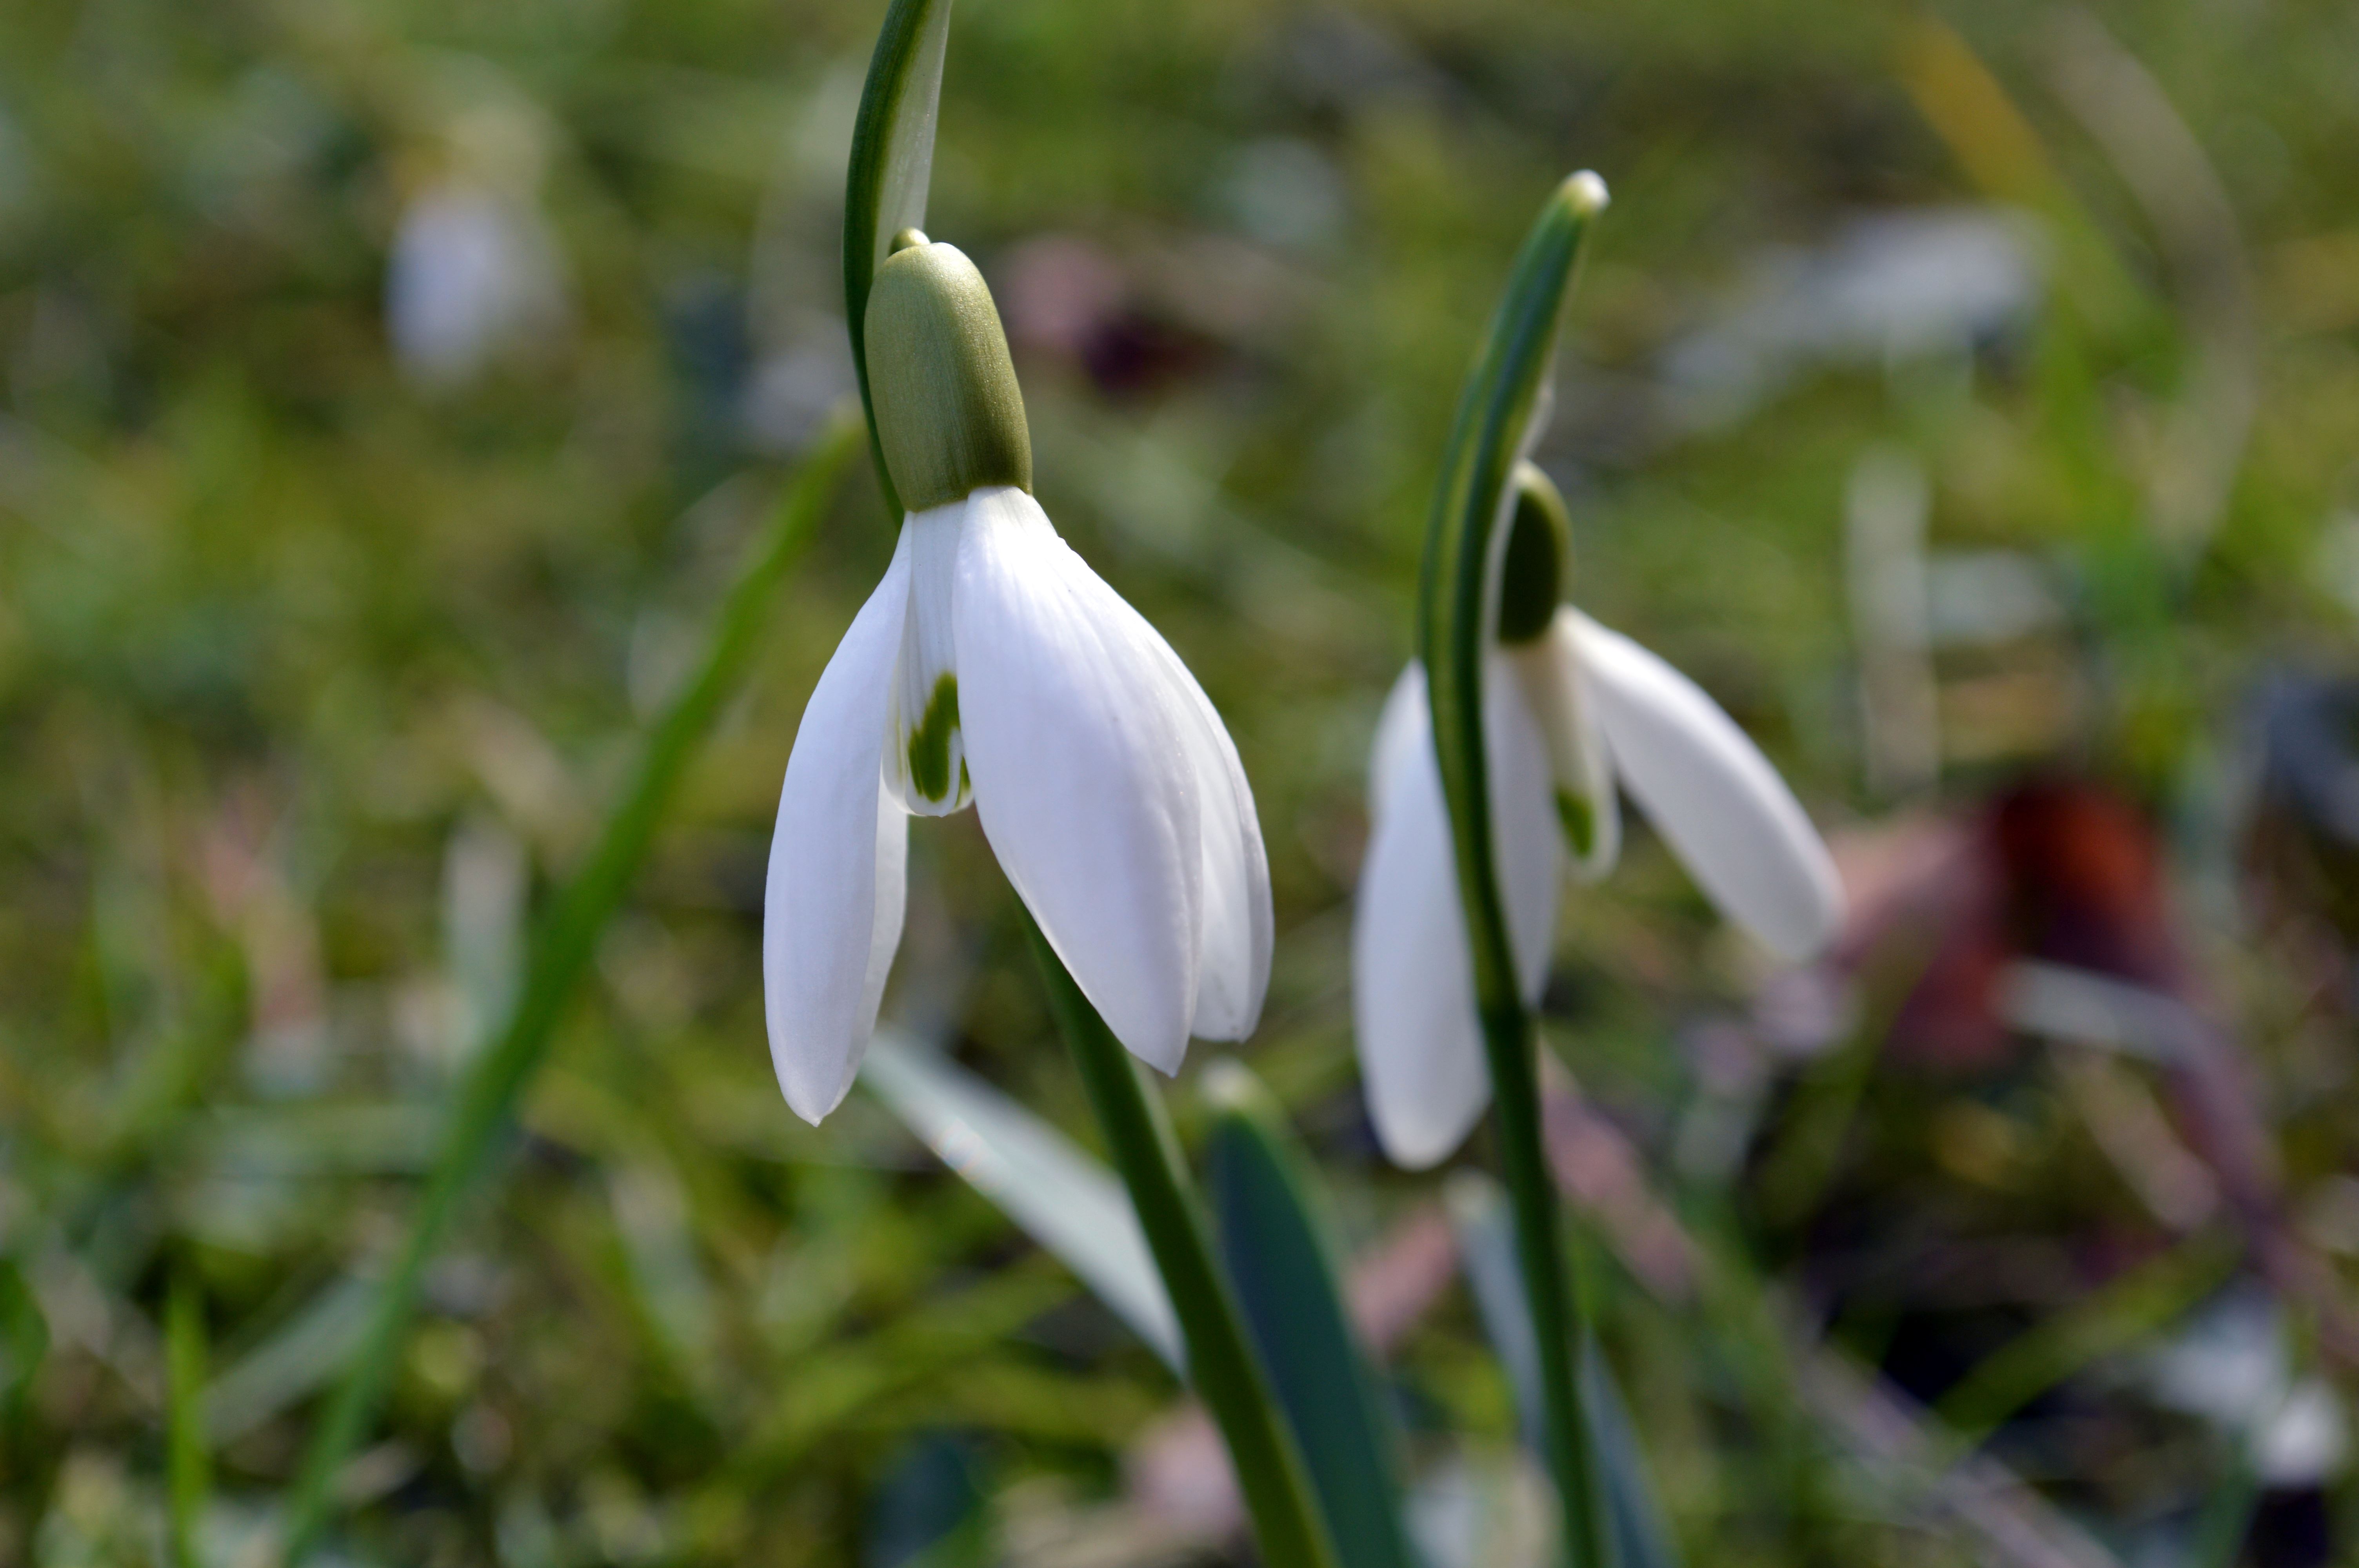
x=993 y=668
x=1458 y=611
x=1222 y=1365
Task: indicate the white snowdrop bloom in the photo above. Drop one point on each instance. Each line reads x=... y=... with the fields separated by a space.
x=473 y=275
x=1570 y=709
x=993 y=666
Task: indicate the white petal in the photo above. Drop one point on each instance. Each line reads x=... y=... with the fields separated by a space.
x=925 y=762
x=1412 y=988
x=832 y=913
x=1579 y=764
x=1080 y=768
x=1412 y=980
x=1715 y=797
x=1404 y=727
x=1238 y=929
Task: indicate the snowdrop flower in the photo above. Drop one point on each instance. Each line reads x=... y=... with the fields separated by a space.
x=991 y=665
x=1568 y=709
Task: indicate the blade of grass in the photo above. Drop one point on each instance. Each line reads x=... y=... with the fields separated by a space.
x=2107 y=1321
x=188 y=1465
x=479 y=1114
x=2227 y=1516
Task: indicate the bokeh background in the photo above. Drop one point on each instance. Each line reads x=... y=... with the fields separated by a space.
x=1966 y=396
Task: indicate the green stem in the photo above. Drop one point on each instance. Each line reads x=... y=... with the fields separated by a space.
x=1457 y=615
x=480 y=1113
x=1222 y=1365
x=1560 y=1317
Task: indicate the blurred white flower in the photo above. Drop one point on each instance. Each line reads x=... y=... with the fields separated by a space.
x=1570 y=709
x=473 y=276
x=993 y=666
x=2232 y=1364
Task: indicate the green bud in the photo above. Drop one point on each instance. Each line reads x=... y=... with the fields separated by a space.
x=948 y=413
x=1540 y=552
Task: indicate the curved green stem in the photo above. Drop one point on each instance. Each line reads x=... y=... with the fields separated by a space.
x=1222 y=1365
x=892 y=161
x=1457 y=611
x=479 y=1115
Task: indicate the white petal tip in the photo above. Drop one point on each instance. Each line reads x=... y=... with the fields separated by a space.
x=811 y=1105
x=1420 y=1152
x=1587 y=193
x=1165 y=1060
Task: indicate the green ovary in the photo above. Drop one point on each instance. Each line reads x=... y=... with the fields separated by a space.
x=1580 y=819
x=929 y=743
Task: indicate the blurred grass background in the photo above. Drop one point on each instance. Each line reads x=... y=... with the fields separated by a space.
x=388 y=391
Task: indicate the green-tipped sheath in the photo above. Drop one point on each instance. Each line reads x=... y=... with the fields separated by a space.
x=1539 y=549
x=1493 y=426
x=949 y=414
x=892 y=165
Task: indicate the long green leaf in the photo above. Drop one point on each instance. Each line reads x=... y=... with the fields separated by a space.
x=1497 y=415
x=1486 y=1249
x=1283 y=1265
x=892 y=167
x=480 y=1112
x=1062 y=1197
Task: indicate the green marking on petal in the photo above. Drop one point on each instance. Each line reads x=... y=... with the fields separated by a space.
x=929 y=743
x=1579 y=816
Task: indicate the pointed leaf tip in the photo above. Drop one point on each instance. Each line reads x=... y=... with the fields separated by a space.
x=1585 y=193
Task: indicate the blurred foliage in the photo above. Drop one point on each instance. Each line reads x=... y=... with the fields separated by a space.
x=327 y=630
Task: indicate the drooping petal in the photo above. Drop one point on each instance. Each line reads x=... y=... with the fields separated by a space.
x=1581 y=764
x=1714 y=797
x=1404 y=730
x=1238 y=928
x=1412 y=976
x=1525 y=833
x=1080 y=767
x=831 y=911
x=1412 y=985
x=925 y=758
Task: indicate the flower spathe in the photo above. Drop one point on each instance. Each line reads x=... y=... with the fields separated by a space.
x=991 y=667
x=1566 y=715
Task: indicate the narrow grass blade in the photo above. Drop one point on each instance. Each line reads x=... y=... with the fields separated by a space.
x=1062 y=1197
x=24 y=1342
x=1282 y=1262
x=892 y=167
x=480 y=1113
x=298 y=1357
x=1487 y=1243
x=2107 y=1321
x=188 y=1465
